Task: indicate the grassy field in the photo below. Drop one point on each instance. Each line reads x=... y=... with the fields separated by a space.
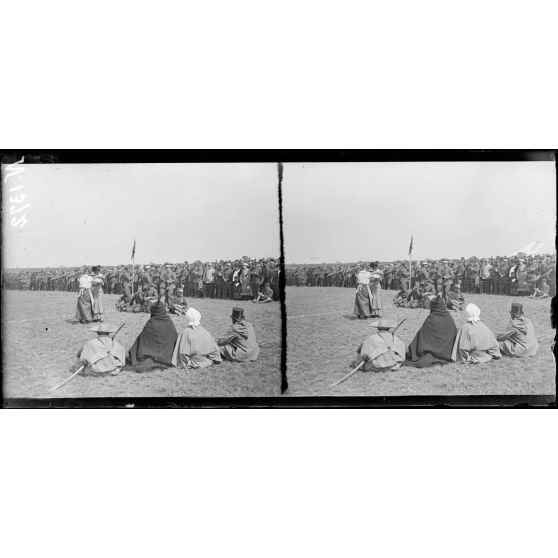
x=41 y=340
x=323 y=335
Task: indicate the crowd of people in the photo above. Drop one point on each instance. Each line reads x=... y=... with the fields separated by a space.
x=139 y=287
x=521 y=275
x=160 y=346
x=438 y=341
x=368 y=295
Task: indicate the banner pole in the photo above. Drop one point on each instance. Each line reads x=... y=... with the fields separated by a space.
x=133 y=274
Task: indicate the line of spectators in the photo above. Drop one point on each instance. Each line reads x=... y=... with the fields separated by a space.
x=242 y=279
x=521 y=275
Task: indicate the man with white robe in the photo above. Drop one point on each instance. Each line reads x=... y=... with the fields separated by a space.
x=475 y=343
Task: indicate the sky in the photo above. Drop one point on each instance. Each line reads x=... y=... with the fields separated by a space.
x=349 y=212
x=91 y=214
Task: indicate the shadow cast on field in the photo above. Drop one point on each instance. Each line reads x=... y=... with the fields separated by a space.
x=73 y=321
x=350 y=317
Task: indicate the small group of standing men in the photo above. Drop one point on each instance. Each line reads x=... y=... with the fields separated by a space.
x=159 y=345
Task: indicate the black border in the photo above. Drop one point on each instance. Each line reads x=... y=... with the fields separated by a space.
x=85 y=156
x=286 y=402
x=88 y=156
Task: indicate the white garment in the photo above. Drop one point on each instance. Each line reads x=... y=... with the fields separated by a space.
x=363 y=277
x=85 y=281
x=193 y=317
x=473 y=313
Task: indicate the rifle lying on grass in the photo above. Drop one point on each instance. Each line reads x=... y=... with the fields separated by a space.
x=83 y=365
x=358 y=367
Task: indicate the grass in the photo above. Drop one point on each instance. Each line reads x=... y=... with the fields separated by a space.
x=41 y=340
x=323 y=335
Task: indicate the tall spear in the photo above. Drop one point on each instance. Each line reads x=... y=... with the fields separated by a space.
x=410 y=265
x=133 y=266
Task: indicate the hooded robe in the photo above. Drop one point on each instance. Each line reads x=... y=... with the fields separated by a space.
x=155 y=344
x=433 y=343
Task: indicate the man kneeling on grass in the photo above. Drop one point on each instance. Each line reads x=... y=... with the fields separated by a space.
x=239 y=343
x=382 y=351
x=102 y=355
x=195 y=347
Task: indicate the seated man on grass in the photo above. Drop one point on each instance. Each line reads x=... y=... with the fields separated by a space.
x=102 y=355
x=239 y=342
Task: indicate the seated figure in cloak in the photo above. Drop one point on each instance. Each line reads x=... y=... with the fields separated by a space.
x=519 y=339
x=382 y=351
x=239 y=342
x=154 y=346
x=433 y=343
x=475 y=343
x=195 y=347
x=102 y=355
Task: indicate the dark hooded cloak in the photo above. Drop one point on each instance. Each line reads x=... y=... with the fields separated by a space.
x=155 y=344
x=433 y=343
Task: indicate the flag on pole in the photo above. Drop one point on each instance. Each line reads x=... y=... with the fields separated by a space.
x=411 y=246
x=134 y=249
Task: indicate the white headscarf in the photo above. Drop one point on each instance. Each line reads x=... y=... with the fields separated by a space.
x=194 y=317
x=473 y=313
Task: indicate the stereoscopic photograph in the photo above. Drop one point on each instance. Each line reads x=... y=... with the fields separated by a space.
x=140 y=280
x=424 y=278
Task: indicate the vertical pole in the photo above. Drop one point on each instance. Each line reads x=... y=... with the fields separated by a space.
x=410 y=273
x=133 y=274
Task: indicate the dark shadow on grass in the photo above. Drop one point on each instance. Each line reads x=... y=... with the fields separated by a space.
x=350 y=317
